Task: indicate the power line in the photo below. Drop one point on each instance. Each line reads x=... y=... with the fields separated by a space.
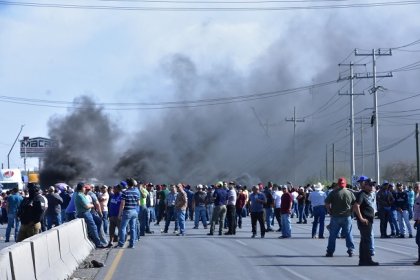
x=200 y=9
x=163 y=104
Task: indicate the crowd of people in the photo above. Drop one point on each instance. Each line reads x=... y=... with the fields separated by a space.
x=129 y=208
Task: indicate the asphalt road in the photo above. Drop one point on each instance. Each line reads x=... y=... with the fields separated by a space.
x=198 y=256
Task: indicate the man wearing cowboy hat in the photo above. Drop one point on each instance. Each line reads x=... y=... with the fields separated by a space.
x=317 y=199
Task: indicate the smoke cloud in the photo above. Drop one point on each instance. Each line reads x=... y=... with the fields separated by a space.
x=230 y=141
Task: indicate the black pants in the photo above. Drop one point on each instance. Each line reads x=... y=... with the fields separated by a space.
x=257 y=216
x=277 y=214
x=365 y=241
x=231 y=218
x=384 y=218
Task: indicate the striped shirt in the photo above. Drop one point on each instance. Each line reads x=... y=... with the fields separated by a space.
x=131 y=198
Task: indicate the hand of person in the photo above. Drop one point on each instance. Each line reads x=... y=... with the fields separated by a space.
x=364 y=221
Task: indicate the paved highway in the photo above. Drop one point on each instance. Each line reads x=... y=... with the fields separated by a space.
x=198 y=256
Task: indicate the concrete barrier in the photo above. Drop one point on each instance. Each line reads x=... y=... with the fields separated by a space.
x=46 y=256
x=65 y=241
x=21 y=261
x=80 y=246
x=5 y=267
x=51 y=255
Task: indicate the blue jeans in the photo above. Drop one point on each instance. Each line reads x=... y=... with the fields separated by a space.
x=105 y=221
x=393 y=221
x=268 y=217
x=210 y=209
x=12 y=221
x=53 y=218
x=302 y=213
x=143 y=218
x=404 y=220
x=91 y=226
x=319 y=217
x=286 y=225
x=181 y=216
x=129 y=217
x=346 y=229
x=200 y=212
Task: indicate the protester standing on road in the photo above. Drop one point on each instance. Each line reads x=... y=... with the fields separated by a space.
x=13 y=202
x=257 y=201
x=231 y=209
x=181 y=204
x=240 y=206
x=416 y=217
x=286 y=211
x=384 y=201
x=53 y=213
x=114 y=207
x=277 y=194
x=170 y=209
x=130 y=200
x=199 y=205
x=219 y=213
x=339 y=205
x=103 y=198
x=317 y=199
x=363 y=207
x=401 y=203
x=30 y=213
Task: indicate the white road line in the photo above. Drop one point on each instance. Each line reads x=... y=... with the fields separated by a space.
x=291 y=271
x=241 y=242
x=394 y=251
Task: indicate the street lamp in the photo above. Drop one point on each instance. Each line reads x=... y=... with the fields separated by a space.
x=25 y=141
x=8 y=155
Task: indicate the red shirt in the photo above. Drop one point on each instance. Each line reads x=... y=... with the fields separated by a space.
x=286 y=203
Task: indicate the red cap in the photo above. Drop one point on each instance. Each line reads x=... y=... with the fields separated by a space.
x=342 y=182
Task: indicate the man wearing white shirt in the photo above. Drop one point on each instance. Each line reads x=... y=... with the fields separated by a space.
x=277 y=204
x=317 y=199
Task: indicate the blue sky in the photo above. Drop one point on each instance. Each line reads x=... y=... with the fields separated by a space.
x=123 y=56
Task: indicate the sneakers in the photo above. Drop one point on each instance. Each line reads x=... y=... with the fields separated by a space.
x=210 y=233
x=176 y=232
x=417 y=262
x=401 y=236
x=195 y=227
x=329 y=255
x=253 y=235
x=410 y=236
x=350 y=253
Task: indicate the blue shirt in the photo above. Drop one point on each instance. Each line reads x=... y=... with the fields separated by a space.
x=170 y=199
x=220 y=197
x=114 y=205
x=71 y=208
x=257 y=206
x=13 y=201
x=131 y=198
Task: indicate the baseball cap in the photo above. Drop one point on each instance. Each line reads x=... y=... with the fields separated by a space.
x=363 y=179
x=342 y=182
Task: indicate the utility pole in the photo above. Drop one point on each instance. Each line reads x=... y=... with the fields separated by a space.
x=362 y=148
x=333 y=162
x=351 y=94
x=326 y=162
x=373 y=54
x=417 y=152
x=295 y=121
x=17 y=137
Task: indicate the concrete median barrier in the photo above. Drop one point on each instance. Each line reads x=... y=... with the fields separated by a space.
x=54 y=254
x=21 y=261
x=80 y=246
x=46 y=256
x=5 y=267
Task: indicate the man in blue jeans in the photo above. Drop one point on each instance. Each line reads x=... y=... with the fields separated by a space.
x=339 y=205
x=317 y=199
x=12 y=206
x=130 y=200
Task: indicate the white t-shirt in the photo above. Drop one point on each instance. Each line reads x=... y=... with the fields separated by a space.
x=277 y=199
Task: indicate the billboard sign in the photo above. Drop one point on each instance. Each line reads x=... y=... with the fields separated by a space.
x=36 y=147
